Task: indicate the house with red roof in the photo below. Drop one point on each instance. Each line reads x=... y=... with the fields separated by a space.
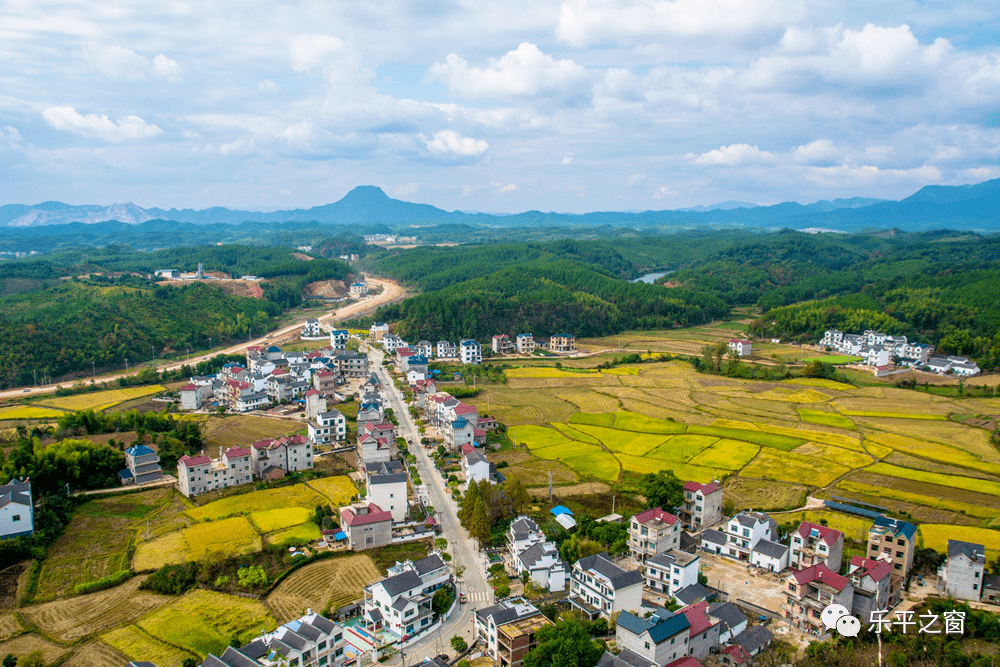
x=703 y=635
x=872 y=580
x=701 y=506
x=289 y=454
x=372 y=449
x=191 y=397
x=366 y=526
x=200 y=474
x=810 y=591
x=735 y=656
x=741 y=347
x=812 y=543
x=652 y=533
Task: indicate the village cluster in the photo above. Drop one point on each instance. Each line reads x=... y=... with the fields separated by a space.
x=881 y=352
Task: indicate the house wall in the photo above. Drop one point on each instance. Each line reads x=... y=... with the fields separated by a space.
x=391 y=498
x=964 y=578
x=16 y=520
x=700 y=645
x=370 y=536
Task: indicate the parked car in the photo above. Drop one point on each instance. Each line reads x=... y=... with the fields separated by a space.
x=462 y=597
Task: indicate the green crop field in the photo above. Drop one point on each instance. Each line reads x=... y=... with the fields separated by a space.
x=833 y=359
x=627 y=442
x=977 y=485
x=605 y=419
x=204 y=621
x=536 y=437
x=574 y=433
x=680 y=448
x=305 y=532
x=826 y=419
x=727 y=455
x=596 y=464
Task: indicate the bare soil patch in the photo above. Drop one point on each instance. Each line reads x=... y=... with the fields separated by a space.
x=9 y=578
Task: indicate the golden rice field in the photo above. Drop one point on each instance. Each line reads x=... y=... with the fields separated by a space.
x=137 y=645
x=29 y=412
x=101 y=400
x=936 y=536
x=297 y=495
x=797 y=436
x=296 y=535
x=338 y=489
x=230 y=537
x=268 y=521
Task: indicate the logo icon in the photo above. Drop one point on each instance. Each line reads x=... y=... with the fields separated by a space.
x=848 y=626
x=832 y=614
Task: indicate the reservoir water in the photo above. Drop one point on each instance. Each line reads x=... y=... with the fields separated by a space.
x=650 y=278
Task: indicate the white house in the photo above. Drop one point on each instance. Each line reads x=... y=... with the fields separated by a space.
x=191 y=396
x=745 y=530
x=770 y=556
x=358 y=289
x=598 y=587
x=446 y=350
x=401 y=603
x=812 y=544
x=661 y=639
x=525 y=343
x=392 y=342
x=312 y=329
x=832 y=338
x=732 y=621
x=470 y=352
x=200 y=474
x=875 y=355
x=387 y=484
x=339 y=338
x=544 y=566
x=741 y=347
x=963 y=572
x=522 y=534
x=671 y=571
x=17 y=516
x=310 y=641
x=288 y=454
x=477 y=468
x=328 y=427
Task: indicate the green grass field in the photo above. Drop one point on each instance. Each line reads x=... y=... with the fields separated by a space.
x=680 y=448
x=535 y=437
x=604 y=419
x=826 y=419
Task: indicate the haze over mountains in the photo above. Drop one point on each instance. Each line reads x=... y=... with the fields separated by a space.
x=958 y=207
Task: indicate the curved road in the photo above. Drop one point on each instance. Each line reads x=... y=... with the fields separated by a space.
x=460 y=545
x=390 y=292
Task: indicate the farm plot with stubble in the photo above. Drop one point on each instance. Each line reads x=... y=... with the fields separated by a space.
x=332 y=583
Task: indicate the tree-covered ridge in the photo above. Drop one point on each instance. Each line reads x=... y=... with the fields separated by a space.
x=547 y=299
x=71 y=326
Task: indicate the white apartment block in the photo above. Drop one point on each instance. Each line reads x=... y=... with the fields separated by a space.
x=470 y=352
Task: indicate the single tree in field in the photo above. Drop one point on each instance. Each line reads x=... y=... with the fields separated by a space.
x=662 y=489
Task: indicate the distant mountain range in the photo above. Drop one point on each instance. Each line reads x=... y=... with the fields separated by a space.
x=935 y=206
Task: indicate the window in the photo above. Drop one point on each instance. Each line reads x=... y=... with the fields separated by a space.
x=647 y=645
x=901 y=541
x=16 y=517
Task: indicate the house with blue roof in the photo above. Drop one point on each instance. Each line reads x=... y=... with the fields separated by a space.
x=894 y=541
x=462 y=432
x=661 y=639
x=142 y=466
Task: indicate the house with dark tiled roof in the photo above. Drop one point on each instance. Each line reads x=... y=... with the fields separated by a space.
x=732 y=621
x=754 y=639
x=671 y=571
x=310 y=641
x=808 y=592
x=872 y=581
x=143 y=463
x=386 y=482
x=660 y=639
x=770 y=556
x=653 y=532
x=401 y=602
x=477 y=468
x=744 y=531
x=544 y=566
x=598 y=587
x=625 y=658
x=17 y=509
x=963 y=572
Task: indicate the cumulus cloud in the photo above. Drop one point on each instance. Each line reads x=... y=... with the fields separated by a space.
x=844 y=174
x=119 y=62
x=510 y=187
x=661 y=192
x=93 y=126
x=525 y=72
x=821 y=150
x=267 y=85
x=451 y=143
x=732 y=155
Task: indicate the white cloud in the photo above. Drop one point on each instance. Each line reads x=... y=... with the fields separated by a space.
x=821 y=150
x=267 y=85
x=634 y=179
x=525 y=72
x=662 y=192
x=405 y=189
x=568 y=159
x=510 y=187
x=584 y=23
x=119 y=62
x=449 y=142
x=842 y=175
x=735 y=154
x=68 y=119
x=9 y=137
x=300 y=134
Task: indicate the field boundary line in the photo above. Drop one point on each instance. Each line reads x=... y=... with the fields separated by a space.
x=163 y=641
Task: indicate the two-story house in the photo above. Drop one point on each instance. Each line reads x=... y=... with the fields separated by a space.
x=476 y=468
x=366 y=526
x=872 y=586
x=744 y=531
x=671 y=572
x=894 y=541
x=401 y=602
x=740 y=347
x=17 y=509
x=598 y=587
x=544 y=566
x=660 y=639
x=653 y=532
x=812 y=543
x=508 y=630
x=387 y=488
x=811 y=590
x=963 y=572
x=770 y=556
x=702 y=505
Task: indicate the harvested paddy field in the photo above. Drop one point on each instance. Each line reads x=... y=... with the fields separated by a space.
x=331 y=583
x=773 y=442
x=241 y=430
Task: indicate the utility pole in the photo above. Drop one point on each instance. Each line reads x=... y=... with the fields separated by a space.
x=209 y=343
x=93 y=367
x=35 y=373
x=550 y=486
x=126 y=365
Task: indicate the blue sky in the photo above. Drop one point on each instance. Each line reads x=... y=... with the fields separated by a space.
x=495 y=105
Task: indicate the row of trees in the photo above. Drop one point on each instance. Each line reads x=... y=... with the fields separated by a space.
x=486 y=506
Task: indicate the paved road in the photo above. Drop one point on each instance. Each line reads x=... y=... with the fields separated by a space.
x=390 y=292
x=460 y=545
